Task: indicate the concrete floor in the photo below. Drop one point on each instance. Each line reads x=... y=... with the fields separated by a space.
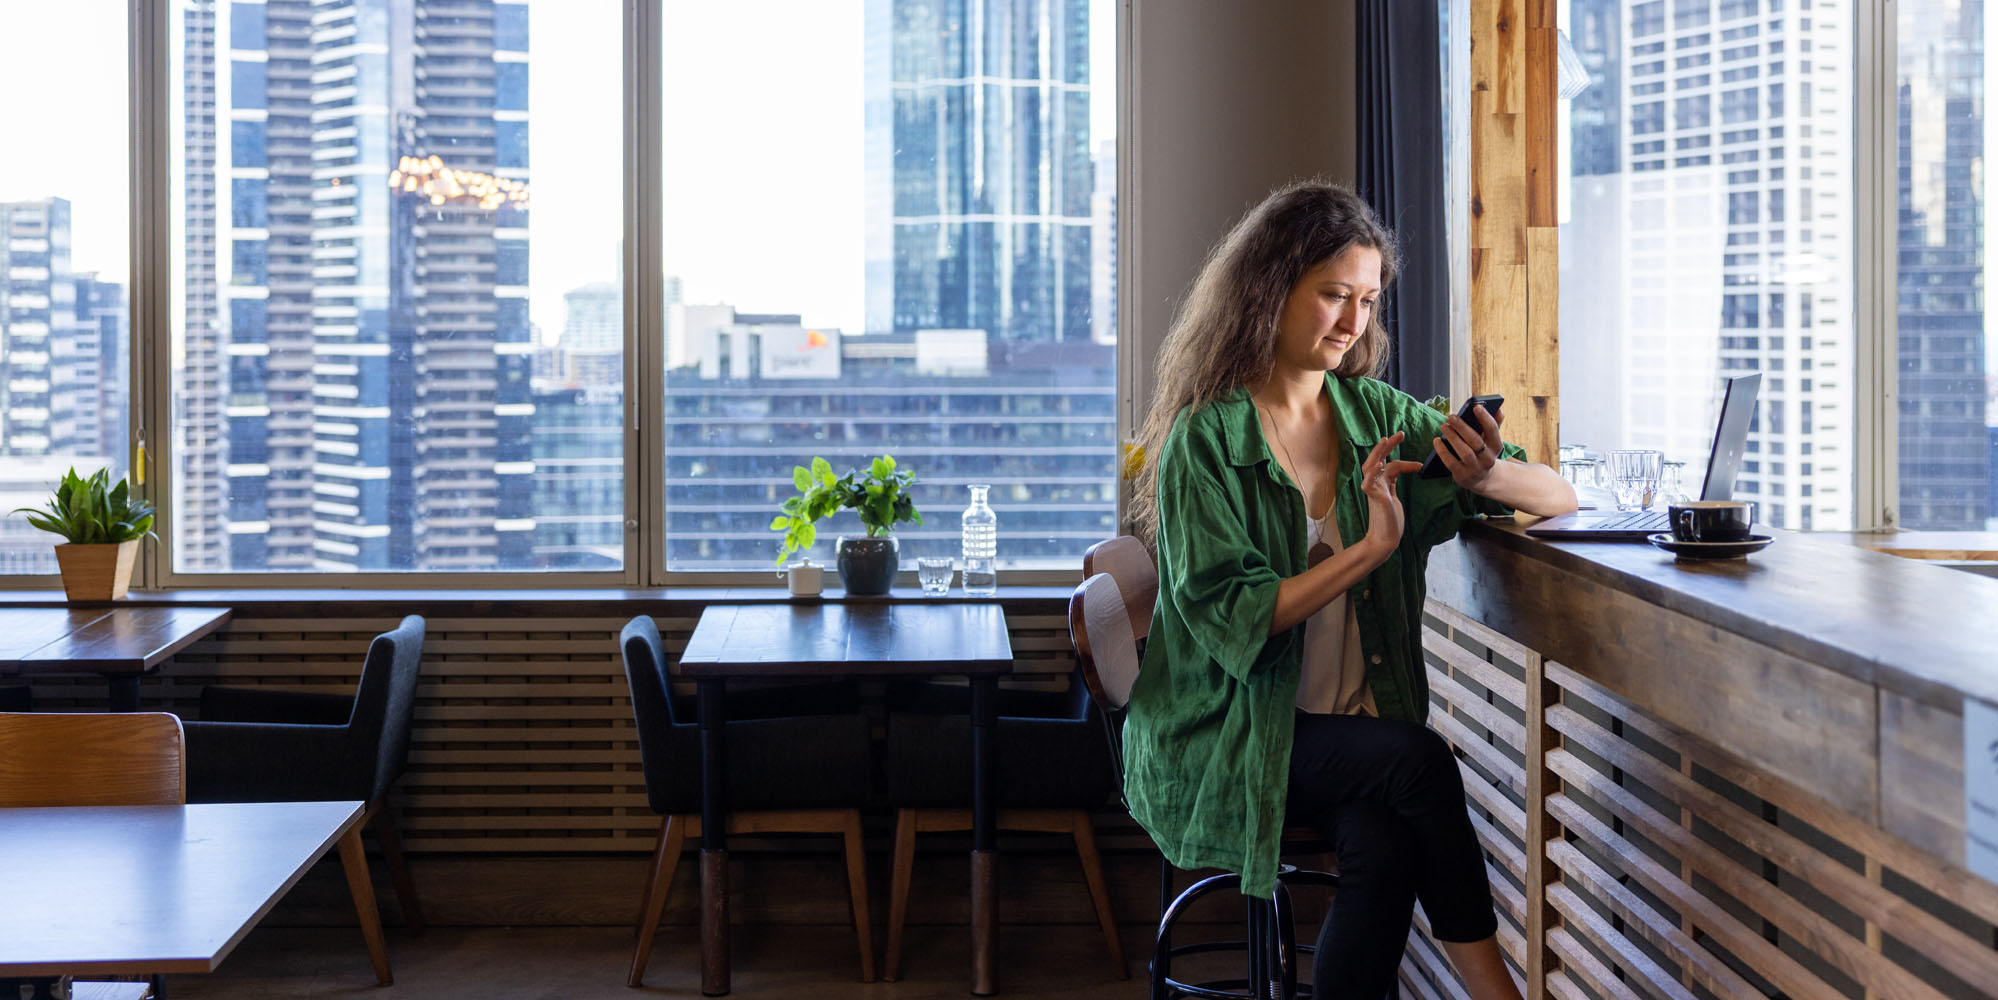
x=542 y=963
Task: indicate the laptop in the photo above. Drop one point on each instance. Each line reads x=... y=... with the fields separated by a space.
x=1723 y=462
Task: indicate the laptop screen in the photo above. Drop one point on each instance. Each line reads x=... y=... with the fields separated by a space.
x=1730 y=436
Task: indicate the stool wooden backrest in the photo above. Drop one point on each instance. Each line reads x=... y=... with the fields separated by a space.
x=116 y=759
x=1106 y=651
x=1126 y=559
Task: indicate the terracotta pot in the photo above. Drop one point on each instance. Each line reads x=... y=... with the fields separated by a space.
x=96 y=572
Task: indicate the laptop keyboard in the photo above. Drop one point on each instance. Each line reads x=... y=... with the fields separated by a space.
x=1636 y=520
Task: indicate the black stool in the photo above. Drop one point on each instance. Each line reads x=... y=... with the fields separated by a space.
x=1271 y=952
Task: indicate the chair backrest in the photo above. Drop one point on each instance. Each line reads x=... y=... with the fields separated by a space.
x=651 y=704
x=1126 y=559
x=1106 y=653
x=385 y=704
x=116 y=759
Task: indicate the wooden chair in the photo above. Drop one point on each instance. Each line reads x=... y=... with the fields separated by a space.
x=773 y=787
x=117 y=759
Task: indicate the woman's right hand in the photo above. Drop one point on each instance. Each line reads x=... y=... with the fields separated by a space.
x=1385 y=520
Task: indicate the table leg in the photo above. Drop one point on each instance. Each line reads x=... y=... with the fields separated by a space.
x=714 y=841
x=984 y=839
x=124 y=692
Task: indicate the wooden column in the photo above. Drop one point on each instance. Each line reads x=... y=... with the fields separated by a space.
x=1515 y=265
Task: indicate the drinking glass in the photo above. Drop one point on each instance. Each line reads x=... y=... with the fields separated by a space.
x=933 y=572
x=1634 y=476
x=1582 y=472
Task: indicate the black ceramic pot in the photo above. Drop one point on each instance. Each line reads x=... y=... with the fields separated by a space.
x=867 y=565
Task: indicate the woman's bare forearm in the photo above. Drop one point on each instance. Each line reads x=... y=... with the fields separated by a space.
x=1305 y=594
x=1529 y=488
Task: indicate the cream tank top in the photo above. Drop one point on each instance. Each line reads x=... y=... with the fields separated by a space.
x=1334 y=679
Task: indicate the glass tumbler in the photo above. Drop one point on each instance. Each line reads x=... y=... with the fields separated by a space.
x=934 y=572
x=1634 y=476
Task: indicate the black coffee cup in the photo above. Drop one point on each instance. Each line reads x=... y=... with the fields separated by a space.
x=1712 y=520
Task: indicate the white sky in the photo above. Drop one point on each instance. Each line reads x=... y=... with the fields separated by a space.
x=763 y=165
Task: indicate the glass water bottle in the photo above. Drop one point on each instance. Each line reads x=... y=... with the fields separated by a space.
x=981 y=546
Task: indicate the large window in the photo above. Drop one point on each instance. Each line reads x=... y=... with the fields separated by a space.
x=1948 y=372
x=400 y=329
x=1679 y=261
x=63 y=258
x=896 y=234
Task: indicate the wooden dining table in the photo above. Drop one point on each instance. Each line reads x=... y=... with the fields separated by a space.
x=119 y=643
x=836 y=640
x=147 y=890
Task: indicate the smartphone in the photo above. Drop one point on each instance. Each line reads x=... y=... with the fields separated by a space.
x=1433 y=467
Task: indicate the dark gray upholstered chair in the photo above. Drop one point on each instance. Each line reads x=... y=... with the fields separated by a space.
x=1054 y=763
x=256 y=745
x=798 y=761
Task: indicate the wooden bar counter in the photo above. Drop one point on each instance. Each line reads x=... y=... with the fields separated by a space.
x=1738 y=779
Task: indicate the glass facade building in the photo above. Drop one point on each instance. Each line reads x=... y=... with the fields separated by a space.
x=370 y=257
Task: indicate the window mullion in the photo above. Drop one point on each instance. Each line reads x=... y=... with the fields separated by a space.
x=1876 y=382
x=151 y=302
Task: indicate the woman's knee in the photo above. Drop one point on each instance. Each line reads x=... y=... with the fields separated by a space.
x=1375 y=847
x=1422 y=754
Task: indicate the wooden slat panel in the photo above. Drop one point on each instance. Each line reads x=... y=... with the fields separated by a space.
x=1583 y=920
x=1706 y=968
x=1715 y=922
x=1837 y=948
x=1946 y=880
x=1578 y=963
x=1504 y=686
x=1463 y=702
x=1504 y=646
x=1970 y=960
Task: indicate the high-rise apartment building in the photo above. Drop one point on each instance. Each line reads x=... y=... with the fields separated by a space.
x=375 y=285
x=64 y=371
x=1725 y=202
x=978 y=167
x=1944 y=462
x=201 y=368
x=64 y=366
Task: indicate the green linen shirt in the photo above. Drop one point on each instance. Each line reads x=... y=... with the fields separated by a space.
x=1208 y=736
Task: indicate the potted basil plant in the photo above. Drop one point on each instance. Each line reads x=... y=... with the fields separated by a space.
x=100 y=525
x=879 y=494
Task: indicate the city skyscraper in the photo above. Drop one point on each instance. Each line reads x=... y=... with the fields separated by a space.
x=1944 y=461
x=375 y=284
x=64 y=367
x=200 y=429
x=1710 y=233
x=979 y=167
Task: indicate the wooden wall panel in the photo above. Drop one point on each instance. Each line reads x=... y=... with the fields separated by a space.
x=1675 y=868
x=1515 y=291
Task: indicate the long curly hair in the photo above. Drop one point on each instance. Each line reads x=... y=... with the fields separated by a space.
x=1224 y=336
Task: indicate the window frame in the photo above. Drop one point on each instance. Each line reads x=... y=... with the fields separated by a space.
x=151 y=101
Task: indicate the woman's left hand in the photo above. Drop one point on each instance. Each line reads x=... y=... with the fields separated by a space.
x=1476 y=448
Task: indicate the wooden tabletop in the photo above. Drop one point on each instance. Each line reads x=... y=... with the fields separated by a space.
x=150 y=889
x=794 y=640
x=115 y=640
x=1930 y=633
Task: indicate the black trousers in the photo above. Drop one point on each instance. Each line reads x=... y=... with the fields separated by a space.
x=1387 y=796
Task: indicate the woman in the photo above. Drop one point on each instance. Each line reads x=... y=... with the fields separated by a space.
x=1284 y=675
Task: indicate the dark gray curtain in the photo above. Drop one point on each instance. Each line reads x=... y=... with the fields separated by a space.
x=1401 y=138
